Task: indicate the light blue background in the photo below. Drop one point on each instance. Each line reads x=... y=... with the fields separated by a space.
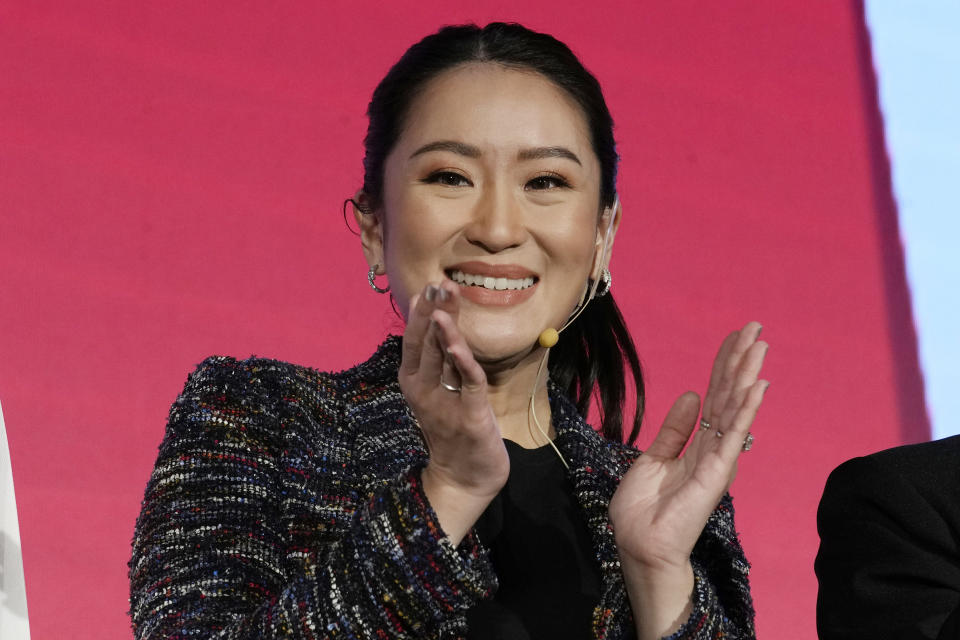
x=916 y=52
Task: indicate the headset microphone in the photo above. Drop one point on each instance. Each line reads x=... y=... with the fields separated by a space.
x=548 y=337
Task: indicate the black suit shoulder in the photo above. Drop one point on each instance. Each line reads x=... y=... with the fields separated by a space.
x=889 y=559
x=927 y=465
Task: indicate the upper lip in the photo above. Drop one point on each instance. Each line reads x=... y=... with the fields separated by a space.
x=477 y=268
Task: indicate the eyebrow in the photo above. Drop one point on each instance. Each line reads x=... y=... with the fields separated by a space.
x=539 y=153
x=470 y=151
x=459 y=148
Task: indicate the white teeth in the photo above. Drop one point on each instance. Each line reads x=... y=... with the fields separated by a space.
x=487 y=282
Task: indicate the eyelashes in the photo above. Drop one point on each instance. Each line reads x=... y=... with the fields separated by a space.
x=543 y=182
x=546 y=182
x=447 y=179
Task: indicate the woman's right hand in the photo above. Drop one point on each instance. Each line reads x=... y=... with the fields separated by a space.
x=468 y=461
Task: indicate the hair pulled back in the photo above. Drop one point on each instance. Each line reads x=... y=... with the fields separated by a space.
x=595 y=353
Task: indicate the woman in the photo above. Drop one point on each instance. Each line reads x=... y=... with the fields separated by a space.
x=390 y=499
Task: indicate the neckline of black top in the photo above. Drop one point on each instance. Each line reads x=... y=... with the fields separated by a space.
x=543 y=454
x=542 y=553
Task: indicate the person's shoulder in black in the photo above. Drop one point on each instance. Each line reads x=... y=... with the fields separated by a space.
x=889 y=559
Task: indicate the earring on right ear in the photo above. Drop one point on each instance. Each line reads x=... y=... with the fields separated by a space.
x=602 y=285
x=606 y=281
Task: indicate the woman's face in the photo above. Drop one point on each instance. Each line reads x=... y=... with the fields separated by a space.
x=493 y=183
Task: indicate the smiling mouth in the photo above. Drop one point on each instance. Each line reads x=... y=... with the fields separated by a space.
x=490 y=282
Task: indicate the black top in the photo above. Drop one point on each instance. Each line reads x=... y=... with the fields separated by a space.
x=541 y=550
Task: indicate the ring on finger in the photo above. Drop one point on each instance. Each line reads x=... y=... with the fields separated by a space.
x=704 y=425
x=719 y=433
x=448 y=362
x=748 y=442
x=448 y=386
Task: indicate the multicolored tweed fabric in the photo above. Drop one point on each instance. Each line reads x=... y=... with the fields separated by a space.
x=286 y=503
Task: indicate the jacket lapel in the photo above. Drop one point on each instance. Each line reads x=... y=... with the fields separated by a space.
x=595 y=471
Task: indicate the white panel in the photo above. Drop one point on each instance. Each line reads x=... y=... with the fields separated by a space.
x=916 y=52
x=13 y=595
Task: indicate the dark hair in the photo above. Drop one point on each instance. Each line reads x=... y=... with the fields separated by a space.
x=593 y=353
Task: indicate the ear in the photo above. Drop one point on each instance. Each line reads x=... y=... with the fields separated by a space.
x=606 y=232
x=370 y=223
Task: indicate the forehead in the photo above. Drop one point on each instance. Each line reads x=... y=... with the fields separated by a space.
x=491 y=105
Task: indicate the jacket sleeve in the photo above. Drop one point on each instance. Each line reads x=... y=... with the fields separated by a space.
x=214 y=555
x=722 y=605
x=888 y=560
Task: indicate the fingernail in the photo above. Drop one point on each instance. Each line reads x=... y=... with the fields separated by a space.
x=430 y=293
x=766 y=385
x=759 y=331
x=442 y=294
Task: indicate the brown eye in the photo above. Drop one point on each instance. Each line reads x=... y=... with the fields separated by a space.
x=545 y=182
x=447 y=179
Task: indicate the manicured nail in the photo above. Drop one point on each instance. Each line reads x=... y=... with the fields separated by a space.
x=759 y=331
x=442 y=294
x=430 y=293
x=766 y=385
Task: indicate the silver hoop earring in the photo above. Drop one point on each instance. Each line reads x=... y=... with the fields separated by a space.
x=370 y=278
x=606 y=281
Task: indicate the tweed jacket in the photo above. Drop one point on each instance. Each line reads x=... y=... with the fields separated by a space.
x=286 y=503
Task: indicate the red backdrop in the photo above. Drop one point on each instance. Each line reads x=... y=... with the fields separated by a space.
x=170 y=184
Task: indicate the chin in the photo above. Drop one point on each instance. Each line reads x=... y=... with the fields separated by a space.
x=503 y=349
x=496 y=337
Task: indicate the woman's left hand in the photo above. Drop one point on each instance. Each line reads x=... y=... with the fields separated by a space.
x=663 y=502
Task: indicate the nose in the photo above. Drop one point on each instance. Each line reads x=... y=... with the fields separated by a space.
x=497 y=222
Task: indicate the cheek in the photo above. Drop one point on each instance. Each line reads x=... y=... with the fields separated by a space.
x=410 y=239
x=412 y=242
x=420 y=227
x=574 y=245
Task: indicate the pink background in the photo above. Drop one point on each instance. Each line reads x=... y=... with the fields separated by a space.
x=171 y=176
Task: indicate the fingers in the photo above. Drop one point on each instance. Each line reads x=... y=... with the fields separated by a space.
x=677 y=426
x=729 y=431
x=731 y=444
x=734 y=394
x=432 y=356
x=449 y=374
x=436 y=364
x=723 y=377
x=473 y=380
x=743 y=380
x=421 y=347
x=413 y=336
x=716 y=373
